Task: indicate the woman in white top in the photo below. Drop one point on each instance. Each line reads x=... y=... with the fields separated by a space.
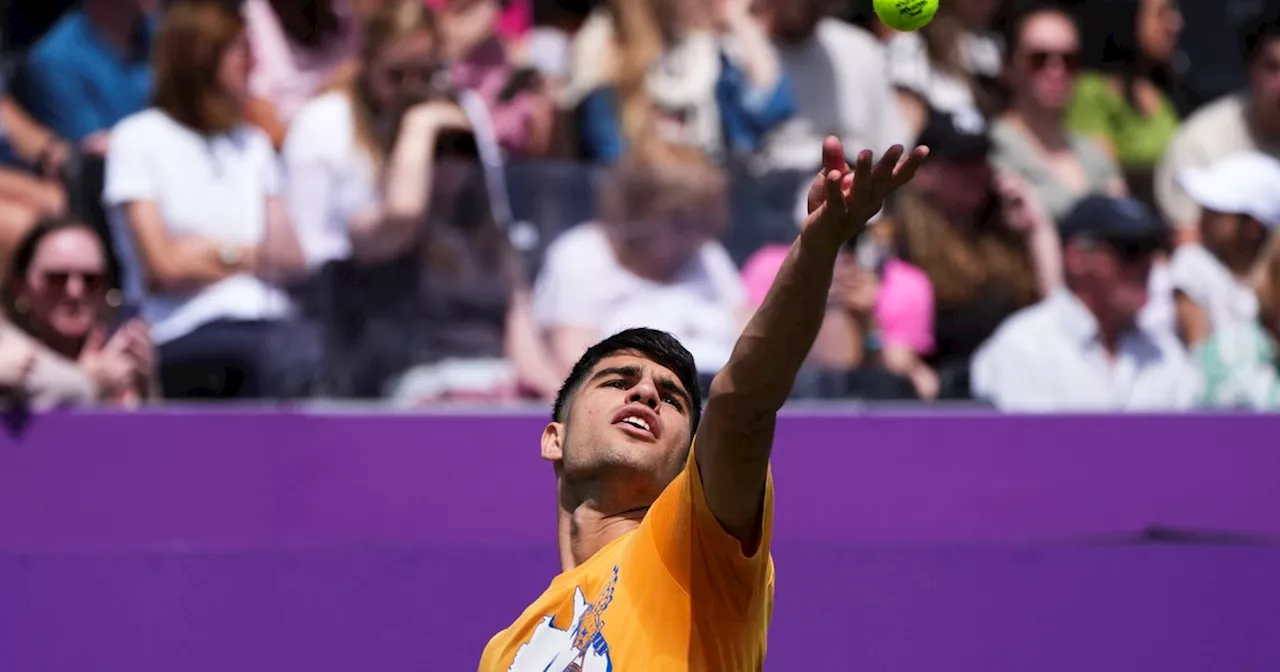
x=193 y=197
x=395 y=184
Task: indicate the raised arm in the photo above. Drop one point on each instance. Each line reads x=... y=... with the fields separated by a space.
x=735 y=438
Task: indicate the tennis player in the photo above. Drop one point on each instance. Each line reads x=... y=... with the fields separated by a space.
x=666 y=511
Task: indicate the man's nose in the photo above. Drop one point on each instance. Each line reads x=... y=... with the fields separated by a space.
x=645 y=392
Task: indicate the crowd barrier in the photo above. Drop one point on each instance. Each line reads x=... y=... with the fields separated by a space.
x=174 y=540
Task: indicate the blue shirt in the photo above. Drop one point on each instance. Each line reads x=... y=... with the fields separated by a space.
x=77 y=84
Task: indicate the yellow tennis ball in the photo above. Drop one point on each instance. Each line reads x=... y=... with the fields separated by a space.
x=906 y=14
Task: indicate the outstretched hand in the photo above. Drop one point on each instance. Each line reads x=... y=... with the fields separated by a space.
x=842 y=199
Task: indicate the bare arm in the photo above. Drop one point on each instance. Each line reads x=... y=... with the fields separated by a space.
x=279 y=256
x=1193 y=323
x=261 y=113
x=534 y=366
x=172 y=264
x=28 y=138
x=759 y=58
x=736 y=435
x=387 y=231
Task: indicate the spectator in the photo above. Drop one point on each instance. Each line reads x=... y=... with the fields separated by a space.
x=1031 y=139
x=1082 y=348
x=879 y=313
x=837 y=74
x=55 y=292
x=520 y=112
x=299 y=48
x=91 y=70
x=1241 y=122
x=948 y=65
x=453 y=302
x=1239 y=362
x=1124 y=102
x=703 y=75
x=513 y=21
x=653 y=259
x=193 y=194
x=985 y=243
x=1239 y=200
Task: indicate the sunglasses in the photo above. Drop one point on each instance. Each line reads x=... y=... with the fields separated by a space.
x=422 y=73
x=91 y=282
x=1040 y=59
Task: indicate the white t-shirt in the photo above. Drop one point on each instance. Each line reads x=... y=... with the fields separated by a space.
x=841 y=89
x=215 y=187
x=907 y=58
x=1194 y=271
x=1047 y=358
x=327 y=178
x=583 y=285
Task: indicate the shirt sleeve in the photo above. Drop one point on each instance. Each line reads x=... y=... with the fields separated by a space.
x=702 y=557
x=309 y=182
x=1090 y=111
x=130 y=173
x=55 y=98
x=1175 y=206
x=561 y=294
x=760 y=271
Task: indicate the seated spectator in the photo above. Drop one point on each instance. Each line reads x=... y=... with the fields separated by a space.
x=949 y=65
x=1082 y=348
x=653 y=259
x=300 y=47
x=520 y=112
x=837 y=77
x=1125 y=102
x=34 y=377
x=91 y=70
x=1240 y=122
x=879 y=312
x=981 y=237
x=193 y=193
x=699 y=74
x=1239 y=200
x=55 y=292
x=1031 y=139
x=448 y=296
x=1239 y=362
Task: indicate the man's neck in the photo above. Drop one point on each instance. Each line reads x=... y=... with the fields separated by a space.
x=1263 y=123
x=114 y=24
x=583 y=530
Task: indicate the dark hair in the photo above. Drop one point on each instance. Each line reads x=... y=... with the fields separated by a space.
x=25 y=253
x=1256 y=32
x=1110 y=41
x=310 y=23
x=1023 y=13
x=193 y=38
x=658 y=346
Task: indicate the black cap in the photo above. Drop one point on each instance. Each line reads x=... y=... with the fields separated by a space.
x=1111 y=219
x=953 y=135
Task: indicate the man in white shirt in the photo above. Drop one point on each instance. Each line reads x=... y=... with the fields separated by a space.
x=1082 y=348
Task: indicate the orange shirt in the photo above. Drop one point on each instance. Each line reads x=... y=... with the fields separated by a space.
x=676 y=593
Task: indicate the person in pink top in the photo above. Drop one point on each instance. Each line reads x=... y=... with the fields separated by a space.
x=520 y=112
x=879 y=312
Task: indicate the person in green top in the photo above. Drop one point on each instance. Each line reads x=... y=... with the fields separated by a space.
x=1126 y=99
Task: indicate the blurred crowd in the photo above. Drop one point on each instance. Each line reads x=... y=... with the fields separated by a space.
x=437 y=200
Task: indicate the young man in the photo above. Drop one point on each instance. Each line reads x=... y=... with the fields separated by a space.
x=664 y=547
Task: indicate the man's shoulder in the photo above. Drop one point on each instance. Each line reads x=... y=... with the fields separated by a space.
x=64 y=44
x=1031 y=324
x=837 y=33
x=1212 y=119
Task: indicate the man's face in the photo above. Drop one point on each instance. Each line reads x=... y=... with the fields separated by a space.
x=1117 y=274
x=628 y=424
x=1264 y=76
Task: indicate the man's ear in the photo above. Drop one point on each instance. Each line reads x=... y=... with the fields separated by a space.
x=552 y=442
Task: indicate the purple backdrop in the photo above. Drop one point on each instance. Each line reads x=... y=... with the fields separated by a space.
x=275 y=541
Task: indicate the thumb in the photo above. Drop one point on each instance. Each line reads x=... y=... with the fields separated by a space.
x=97 y=337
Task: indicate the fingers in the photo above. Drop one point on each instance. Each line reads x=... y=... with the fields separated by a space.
x=835 y=194
x=863 y=186
x=906 y=168
x=833 y=156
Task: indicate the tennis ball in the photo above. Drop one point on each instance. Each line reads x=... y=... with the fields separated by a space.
x=906 y=14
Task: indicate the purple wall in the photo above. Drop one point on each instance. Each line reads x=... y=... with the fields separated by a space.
x=217 y=541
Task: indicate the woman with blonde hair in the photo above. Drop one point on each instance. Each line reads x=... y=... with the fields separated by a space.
x=678 y=71
x=396 y=185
